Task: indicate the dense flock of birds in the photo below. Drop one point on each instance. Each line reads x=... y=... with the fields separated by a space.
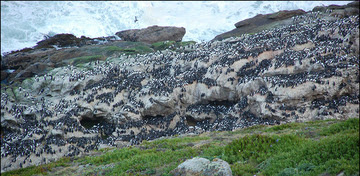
x=32 y=132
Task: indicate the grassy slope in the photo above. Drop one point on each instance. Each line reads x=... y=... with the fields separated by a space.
x=311 y=148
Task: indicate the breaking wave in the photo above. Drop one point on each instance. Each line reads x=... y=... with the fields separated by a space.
x=25 y=23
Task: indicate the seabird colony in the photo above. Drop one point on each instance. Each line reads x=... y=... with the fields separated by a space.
x=126 y=100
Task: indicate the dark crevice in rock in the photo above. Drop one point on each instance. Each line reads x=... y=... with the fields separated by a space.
x=190 y=121
x=216 y=107
x=88 y=123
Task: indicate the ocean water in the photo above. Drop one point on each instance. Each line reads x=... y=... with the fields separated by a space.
x=25 y=23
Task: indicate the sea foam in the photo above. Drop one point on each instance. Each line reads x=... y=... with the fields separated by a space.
x=25 y=23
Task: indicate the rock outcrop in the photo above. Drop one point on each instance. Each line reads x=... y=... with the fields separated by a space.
x=261 y=22
x=62 y=49
x=153 y=34
x=301 y=72
x=62 y=40
x=284 y=18
x=47 y=55
x=202 y=166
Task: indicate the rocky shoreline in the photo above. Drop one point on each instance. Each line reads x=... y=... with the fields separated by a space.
x=306 y=70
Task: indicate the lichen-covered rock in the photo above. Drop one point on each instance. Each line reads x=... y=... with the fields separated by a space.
x=203 y=167
x=153 y=34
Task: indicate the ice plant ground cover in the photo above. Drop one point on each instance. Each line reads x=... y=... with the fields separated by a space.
x=309 y=148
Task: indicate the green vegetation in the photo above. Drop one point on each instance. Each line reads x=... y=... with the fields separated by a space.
x=311 y=148
x=162 y=45
x=84 y=59
x=135 y=49
x=173 y=143
x=350 y=125
x=283 y=126
x=143 y=49
x=28 y=82
x=127 y=48
x=112 y=49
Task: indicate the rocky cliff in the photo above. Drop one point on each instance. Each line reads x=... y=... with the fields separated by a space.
x=304 y=71
x=284 y=18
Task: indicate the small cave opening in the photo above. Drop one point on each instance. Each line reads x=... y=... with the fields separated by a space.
x=153 y=117
x=89 y=123
x=30 y=118
x=190 y=121
x=216 y=107
x=99 y=124
x=7 y=130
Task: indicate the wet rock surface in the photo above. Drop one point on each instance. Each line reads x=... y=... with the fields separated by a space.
x=300 y=72
x=153 y=34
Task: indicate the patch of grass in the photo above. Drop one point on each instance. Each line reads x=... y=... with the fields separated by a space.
x=212 y=151
x=338 y=148
x=162 y=45
x=245 y=169
x=252 y=128
x=291 y=154
x=151 y=158
x=158 y=153
x=259 y=147
x=136 y=49
x=112 y=49
x=172 y=143
x=350 y=124
x=134 y=160
x=143 y=49
x=320 y=122
x=278 y=150
x=283 y=126
x=111 y=156
x=84 y=59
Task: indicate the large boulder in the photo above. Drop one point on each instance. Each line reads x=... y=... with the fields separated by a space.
x=202 y=166
x=64 y=40
x=153 y=34
x=260 y=19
